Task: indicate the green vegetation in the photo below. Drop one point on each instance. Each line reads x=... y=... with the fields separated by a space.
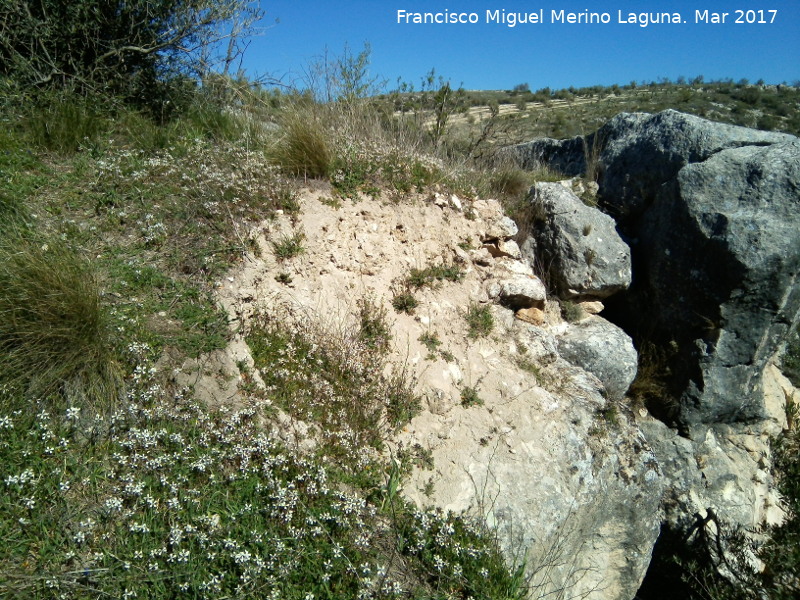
x=170 y=499
x=431 y=341
x=373 y=328
x=55 y=335
x=479 y=320
x=131 y=176
x=790 y=362
x=429 y=276
x=470 y=397
x=571 y=312
x=405 y=302
x=288 y=246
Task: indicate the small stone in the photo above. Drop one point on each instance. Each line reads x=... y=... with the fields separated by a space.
x=523 y=291
x=482 y=257
x=594 y=307
x=534 y=316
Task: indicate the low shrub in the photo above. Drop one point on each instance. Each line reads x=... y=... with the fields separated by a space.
x=480 y=321
x=289 y=246
x=405 y=302
x=55 y=337
x=304 y=149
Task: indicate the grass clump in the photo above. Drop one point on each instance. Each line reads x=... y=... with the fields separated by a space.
x=64 y=122
x=790 y=361
x=373 y=325
x=430 y=276
x=54 y=331
x=470 y=397
x=510 y=181
x=405 y=302
x=431 y=341
x=304 y=150
x=289 y=246
x=480 y=321
x=571 y=312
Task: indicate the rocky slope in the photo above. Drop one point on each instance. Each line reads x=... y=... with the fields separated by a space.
x=710 y=212
x=539 y=451
x=529 y=427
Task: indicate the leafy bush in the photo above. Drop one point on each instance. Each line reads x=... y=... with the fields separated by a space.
x=139 y=49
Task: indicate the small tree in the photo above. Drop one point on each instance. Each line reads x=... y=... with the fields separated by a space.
x=124 y=47
x=439 y=96
x=345 y=78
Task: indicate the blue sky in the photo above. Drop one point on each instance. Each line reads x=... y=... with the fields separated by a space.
x=495 y=56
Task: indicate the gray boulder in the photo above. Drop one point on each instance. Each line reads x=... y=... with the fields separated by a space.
x=522 y=291
x=577 y=245
x=721 y=250
x=604 y=350
x=711 y=213
x=723 y=468
x=641 y=152
x=565 y=156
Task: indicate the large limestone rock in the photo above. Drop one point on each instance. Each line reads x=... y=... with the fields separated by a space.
x=641 y=152
x=576 y=244
x=577 y=497
x=724 y=468
x=721 y=250
x=604 y=350
x=564 y=156
x=712 y=214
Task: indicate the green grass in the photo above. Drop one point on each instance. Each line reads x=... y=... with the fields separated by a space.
x=55 y=337
x=304 y=149
x=167 y=311
x=405 y=302
x=373 y=328
x=431 y=275
x=470 y=397
x=288 y=246
x=480 y=321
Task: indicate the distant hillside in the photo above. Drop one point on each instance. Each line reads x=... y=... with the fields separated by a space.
x=521 y=114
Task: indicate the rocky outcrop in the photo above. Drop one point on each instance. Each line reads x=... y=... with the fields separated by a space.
x=712 y=214
x=577 y=245
x=641 y=152
x=564 y=156
x=578 y=498
x=720 y=250
x=604 y=350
